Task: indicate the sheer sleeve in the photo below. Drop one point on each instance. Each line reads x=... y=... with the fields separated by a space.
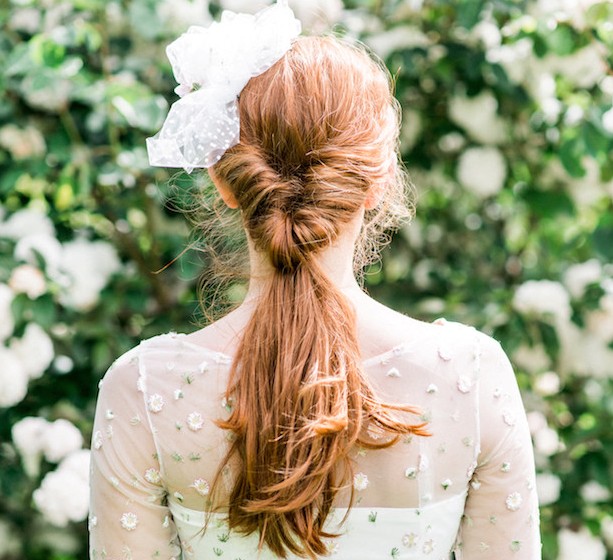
x=501 y=513
x=128 y=515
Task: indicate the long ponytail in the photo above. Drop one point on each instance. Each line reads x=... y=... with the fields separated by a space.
x=315 y=138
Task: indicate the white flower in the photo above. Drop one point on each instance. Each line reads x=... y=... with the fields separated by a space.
x=317 y=15
x=578 y=276
x=488 y=33
x=7 y=323
x=547 y=384
x=28 y=221
x=542 y=297
x=584 y=67
x=600 y=321
x=482 y=171
x=514 y=501
x=63 y=495
x=478 y=116
x=446 y=483
x=34 y=349
x=244 y=6
x=28 y=435
x=548 y=488
x=153 y=476
x=533 y=359
x=129 y=521
x=13 y=378
x=89 y=266
x=580 y=544
x=22 y=143
x=195 y=421
x=401 y=37
x=360 y=482
x=546 y=441
x=29 y=280
x=32 y=246
x=593 y=492
x=26 y=20
x=201 y=486
x=515 y=58
x=177 y=15
x=97 y=439
x=155 y=403
x=61 y=438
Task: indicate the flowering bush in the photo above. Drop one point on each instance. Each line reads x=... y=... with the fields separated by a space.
x=508 y=133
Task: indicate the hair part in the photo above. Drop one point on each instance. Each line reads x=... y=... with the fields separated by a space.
x=319 y=135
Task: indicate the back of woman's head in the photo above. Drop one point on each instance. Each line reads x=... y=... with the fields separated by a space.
x=318 y=138
x=317 y=144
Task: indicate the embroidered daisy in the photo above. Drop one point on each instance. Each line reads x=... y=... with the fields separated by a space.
x=464 y=384
x=195 y=421
x=509 y=417
x=153 y=476
x=393 y=372
x=109 y=414
x=446 y=483
x=201 y=486
x=513 y=501
x=409 y=540
x=129 y=521
x=410 y=473
x=155 y=403
x=432 y=388
x=360 y=482
x=97 y=440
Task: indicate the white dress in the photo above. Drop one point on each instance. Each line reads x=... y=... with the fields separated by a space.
x=468 y=489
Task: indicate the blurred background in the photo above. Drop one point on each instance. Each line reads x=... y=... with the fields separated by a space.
x=508 y=135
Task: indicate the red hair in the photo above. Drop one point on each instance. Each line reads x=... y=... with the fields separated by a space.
x=319 y=133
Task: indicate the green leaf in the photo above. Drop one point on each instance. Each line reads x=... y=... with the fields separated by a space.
x=561 y=40
x=571 y=154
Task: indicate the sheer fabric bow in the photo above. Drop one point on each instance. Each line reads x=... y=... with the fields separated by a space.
x=212 y=65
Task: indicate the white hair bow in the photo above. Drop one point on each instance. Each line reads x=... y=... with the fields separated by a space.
x=212 y=65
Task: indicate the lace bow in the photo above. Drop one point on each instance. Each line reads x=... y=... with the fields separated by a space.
x=212 y=65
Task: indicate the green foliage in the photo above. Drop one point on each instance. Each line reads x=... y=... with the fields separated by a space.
x=84 y=83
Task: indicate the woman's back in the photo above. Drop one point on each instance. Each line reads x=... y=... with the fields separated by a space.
x=156 y=443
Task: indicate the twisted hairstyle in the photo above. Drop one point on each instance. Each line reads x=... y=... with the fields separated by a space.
x=319 y=133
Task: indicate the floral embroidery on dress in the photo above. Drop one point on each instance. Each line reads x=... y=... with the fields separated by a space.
x=514 y=501
x=410 y=472
x=360 y=482
x=393 y=372
x=155 y=403
x=509 y=417
x=201 y=486
x=432 y=388
x=97 y=439
x=410 y=540
x=129 y=521
x=195 y=421
x=153 y=476
x=464 y=384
